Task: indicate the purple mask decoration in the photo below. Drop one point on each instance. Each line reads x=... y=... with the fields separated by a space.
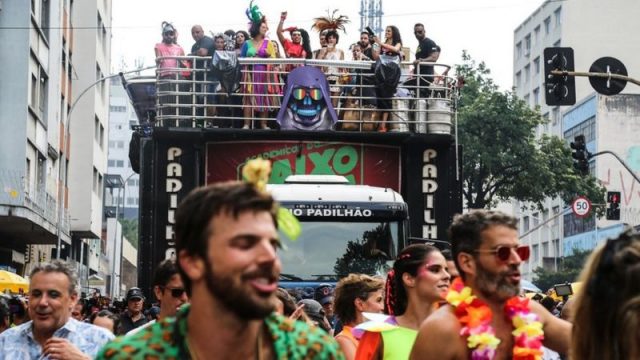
x=307 y=105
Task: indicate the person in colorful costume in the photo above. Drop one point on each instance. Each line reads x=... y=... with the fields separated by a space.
x=227 y=241
x=355 y=294
x=299 y=46
x=486 y=318
x=261 y=93
x=417 y=282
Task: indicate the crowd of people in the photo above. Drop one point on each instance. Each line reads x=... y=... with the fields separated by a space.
x=221 y=299
x=258 y=92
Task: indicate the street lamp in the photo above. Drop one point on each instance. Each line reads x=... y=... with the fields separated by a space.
x=121 y=191
x=63 y=164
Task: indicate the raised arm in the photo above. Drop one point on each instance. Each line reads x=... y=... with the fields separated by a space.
x=280 y=30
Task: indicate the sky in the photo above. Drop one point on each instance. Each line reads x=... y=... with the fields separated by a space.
x=482 y=27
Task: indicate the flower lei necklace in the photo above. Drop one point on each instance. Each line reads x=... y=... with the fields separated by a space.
x=475 y=317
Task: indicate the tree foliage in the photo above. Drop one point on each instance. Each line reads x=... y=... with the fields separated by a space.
x=364 y=256
x=502 y=157
x=568 y=271
x=130 y=230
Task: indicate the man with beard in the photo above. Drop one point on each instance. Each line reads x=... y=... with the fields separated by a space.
x=52 y=333
x=226 y=240
x=488 y=254
x=169 y=290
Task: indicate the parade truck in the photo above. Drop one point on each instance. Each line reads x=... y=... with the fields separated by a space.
x=360 y=195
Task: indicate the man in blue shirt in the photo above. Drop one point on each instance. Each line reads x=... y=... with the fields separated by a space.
x=52 y=333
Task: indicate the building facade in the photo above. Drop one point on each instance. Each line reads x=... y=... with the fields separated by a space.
x=593 y=29
x=50 y=170
x=35 y=95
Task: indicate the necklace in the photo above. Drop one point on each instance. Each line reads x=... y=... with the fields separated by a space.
x=475 y=317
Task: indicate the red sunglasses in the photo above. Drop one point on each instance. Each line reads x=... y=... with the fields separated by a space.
x=504 y=252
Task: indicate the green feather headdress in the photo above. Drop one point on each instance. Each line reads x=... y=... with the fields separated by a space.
x=254 y=14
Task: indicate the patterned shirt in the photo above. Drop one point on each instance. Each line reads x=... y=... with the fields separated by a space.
x=18 y=342
x=166 y=339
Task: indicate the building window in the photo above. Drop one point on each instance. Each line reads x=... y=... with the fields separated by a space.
x=547 y=26
x=556 y=115
x=527 y=45
x=536 y=96
x=558 y=17
x=536 y=219
x=95 y=180
x=536 y=253
x=556 y=211
x=526 y=99
x=114 y=108
x=518 y=79
x=120 y=163
x=112 y=144
x=536 y=35
x=519 y=50
x=525 y=224
x=120 y=144
x=111 y=163
x=527 y=73
x=536 y=65
x=586 y=128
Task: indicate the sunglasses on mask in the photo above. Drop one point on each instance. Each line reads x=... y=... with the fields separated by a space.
x=300 y=93
x=170 y=33
x=175 y=292
x=503 y=253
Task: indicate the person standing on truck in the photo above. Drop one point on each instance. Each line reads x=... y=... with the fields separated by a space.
x=169 y=73
x=418 y=281
x=259 y=98
x=203 y=47
x=227 y=241
x=427 y=51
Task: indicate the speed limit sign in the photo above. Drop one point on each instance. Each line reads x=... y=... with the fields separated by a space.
x=581 y=206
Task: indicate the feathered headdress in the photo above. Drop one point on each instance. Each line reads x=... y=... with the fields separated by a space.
x=330 y=22
x=253 y=13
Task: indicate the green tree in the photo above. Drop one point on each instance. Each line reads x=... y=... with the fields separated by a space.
x=568 y=271
x=365 y=256
x=502 y=157
x=130 y=230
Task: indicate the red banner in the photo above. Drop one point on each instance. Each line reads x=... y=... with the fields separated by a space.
x=365 y=164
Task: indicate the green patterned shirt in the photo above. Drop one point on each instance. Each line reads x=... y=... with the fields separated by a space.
x=167 y=339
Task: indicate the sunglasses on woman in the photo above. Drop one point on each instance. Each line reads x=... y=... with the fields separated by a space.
x=503 y=253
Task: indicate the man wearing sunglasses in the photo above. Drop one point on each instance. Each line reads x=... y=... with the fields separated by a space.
x=487 y=252
x=169 y=290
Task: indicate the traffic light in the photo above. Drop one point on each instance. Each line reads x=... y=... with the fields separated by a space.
x=559 y=89
x=613 y=205
x=580 y=155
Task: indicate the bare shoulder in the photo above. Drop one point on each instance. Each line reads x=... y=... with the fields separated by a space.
x=438 y=337
x=557 y=331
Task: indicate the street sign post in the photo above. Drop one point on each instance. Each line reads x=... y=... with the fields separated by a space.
x=581 y=206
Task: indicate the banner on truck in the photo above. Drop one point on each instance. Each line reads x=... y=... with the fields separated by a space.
x=362 y=164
